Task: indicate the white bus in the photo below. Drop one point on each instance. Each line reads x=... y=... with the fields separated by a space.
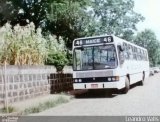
x=103 y=62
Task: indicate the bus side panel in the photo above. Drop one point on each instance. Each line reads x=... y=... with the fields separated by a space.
x=134 y=69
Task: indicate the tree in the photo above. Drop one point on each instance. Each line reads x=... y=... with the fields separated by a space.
x=68 y=18
x=5 y=11
x=116 y=17
x=25 y=11
x=57 y=53
x=148 y=40
x=71 y=19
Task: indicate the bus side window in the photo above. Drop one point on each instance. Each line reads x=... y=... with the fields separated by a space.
x=134 y=54
x=125 y=50
x=143 y=55
x=146 y=56
x=138 y=53
x=130 y=57
x=120 y=54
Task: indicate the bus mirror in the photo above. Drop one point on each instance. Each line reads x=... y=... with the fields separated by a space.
x=121 y=48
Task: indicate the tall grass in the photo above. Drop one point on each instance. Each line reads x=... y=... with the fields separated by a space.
x=46 y=105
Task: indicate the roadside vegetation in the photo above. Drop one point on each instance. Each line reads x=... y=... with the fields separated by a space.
x=59 y=22
x=37 y=108
x=22 y=45
x=44 y=106
x=11 y=109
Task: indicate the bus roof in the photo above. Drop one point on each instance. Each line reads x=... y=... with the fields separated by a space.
x=122 y=40
x=115 y=37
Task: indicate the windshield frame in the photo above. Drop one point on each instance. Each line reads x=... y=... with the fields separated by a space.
x=116 y=55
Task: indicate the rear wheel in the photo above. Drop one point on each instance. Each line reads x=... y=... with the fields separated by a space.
x=127 y=86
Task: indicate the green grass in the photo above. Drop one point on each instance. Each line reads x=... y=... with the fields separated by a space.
x=10 y=109
x=38 y=108
x=46 y=105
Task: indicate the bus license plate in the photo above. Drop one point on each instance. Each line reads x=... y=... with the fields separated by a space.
x=94 y=85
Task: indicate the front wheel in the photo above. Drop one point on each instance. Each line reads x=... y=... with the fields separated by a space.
x=127 y=86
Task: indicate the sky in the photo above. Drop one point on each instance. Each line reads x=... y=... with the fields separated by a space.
x=150 y=9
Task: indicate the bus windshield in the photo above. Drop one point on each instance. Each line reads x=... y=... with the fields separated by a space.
x=95 y=57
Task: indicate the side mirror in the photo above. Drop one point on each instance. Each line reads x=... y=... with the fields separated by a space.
x=121 y=48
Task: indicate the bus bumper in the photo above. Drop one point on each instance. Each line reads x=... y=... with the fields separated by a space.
x=100 y=85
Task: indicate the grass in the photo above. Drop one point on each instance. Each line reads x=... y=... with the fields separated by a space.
x=38 y=108
x=46 y=105
x=10 y=109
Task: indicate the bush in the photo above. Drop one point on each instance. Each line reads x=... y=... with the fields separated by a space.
x=10 y=109
x=58 y=59
x=23 y=45
x=57 y=53
x=46 y=105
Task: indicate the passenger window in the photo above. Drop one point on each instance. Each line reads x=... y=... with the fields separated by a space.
x=121 y=55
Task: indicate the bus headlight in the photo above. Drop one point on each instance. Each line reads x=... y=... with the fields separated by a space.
x=80 y=80
x=113 y=79
x=76 y=80
x=109 y=79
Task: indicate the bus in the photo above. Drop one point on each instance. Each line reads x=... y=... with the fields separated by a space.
x=108 y=62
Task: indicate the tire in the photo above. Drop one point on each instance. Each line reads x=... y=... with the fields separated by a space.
x=141 y=83
x=127 y=86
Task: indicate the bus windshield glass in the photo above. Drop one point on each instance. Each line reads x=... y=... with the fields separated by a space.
x=95 y=57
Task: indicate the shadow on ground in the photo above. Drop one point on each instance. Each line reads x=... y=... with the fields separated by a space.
x=107 y=93
x=94 y=94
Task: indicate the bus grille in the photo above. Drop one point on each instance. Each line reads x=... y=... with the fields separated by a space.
x=94 y=74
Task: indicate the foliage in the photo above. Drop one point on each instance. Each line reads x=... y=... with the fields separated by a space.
x=5 y=12
x=57 y=59
x=94 y=18
x=26 y=11
x=22 y=45
x=46 y=105
x=148 y=40
x=68 y=18
x=71 y=19
x=116 y=17
x=57 y=53
x=10 y=109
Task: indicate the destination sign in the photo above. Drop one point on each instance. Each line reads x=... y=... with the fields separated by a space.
x=97 y=40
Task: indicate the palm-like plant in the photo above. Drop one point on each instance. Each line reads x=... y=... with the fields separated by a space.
x=22 y=45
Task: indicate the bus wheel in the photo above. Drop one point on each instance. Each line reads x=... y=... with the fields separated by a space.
x=127 y=86
x=141 y=83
